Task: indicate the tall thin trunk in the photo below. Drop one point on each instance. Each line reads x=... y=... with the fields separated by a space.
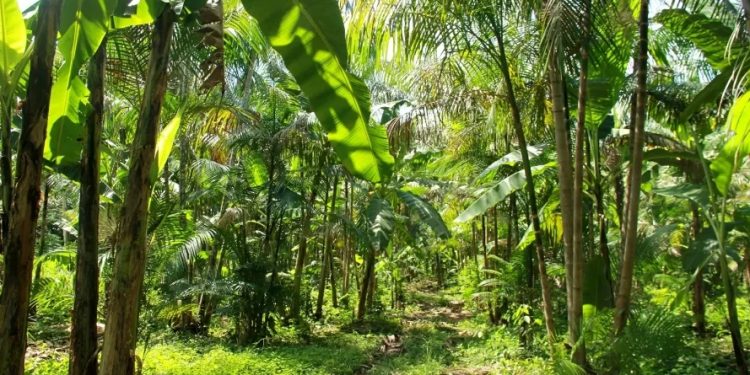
x=496 y=232
x=347 y=241
x=6 y=172
x=118 y=353
x=365 y=286
x=42 y=242
x=24 y=212
x=299 y=267
x=332 y=276
x=575 y=309
x=530 y=189
x=622 y=303
x=485 y=230
x=699 y=305
x=83 y=330
x=565 y=174
x=327 y=255
x=733 y=320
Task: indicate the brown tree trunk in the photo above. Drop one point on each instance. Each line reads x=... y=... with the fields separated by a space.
x=575 y=309
x=118 y=353
x=622 y=303
x=83 y=330
x=24 y=212
x=365 y=286
x=332 y=274
x=6 y=172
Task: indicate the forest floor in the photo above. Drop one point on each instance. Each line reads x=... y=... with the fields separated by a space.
x=434 y=334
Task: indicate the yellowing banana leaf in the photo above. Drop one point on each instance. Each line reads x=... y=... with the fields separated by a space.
x=164 y=145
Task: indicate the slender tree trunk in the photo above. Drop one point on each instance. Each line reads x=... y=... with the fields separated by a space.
x=372 y=288
x=602 y=221
x=24 y=212
x=6 y=171
x=332 y=274
x=699 y=305
x=485 y=234
x=118 y=353
x=565 y=174
x=299 y=267
x=325 y=265
x=733 y=320
x=42 y=242
x=575 y=309
x=365 y=286
x=622 y=303
x=347 y=242
x=83 y=331
x=530 y=189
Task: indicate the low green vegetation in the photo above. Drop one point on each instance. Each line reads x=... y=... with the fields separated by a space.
x=374 y=187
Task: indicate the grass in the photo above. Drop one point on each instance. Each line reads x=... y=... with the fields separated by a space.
x=336 y=354
x=436 y=334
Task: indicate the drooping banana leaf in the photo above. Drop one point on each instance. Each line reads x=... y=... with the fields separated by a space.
x=309 y=36
x=83 y=26
x=512 y=158
x=12 y=37
x=499 y=191
x=737 y=146
x=426 y=212
x=692 y=192
x=709 y=95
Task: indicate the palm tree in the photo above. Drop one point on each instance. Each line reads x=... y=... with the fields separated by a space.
x=622 y=302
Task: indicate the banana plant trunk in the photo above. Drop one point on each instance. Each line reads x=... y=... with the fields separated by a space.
x=118 y=353
x=24 y=212
x=83 y=343
x=625 y=286
x=6 y=173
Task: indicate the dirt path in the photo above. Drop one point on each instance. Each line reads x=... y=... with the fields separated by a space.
x=430 y=334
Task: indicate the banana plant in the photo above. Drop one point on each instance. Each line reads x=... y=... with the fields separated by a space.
x=497 y=191
x=14 y=58
x=714 y=199
x=309 y=36
x=378 y=221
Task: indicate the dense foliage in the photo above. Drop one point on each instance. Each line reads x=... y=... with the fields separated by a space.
x=367 y=186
